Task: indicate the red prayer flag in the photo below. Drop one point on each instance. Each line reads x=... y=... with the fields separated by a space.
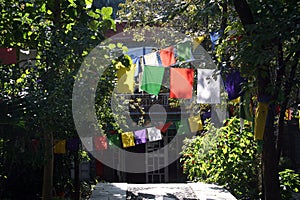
x=100 y=143
x=8 y=56
x=167 y=56
x=181 y=83
x=164 y=127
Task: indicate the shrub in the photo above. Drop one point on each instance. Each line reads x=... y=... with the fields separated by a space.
x=289 y=183
x=226 y=156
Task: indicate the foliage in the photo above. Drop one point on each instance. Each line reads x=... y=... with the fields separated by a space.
x=289 y=183
x=226 y=156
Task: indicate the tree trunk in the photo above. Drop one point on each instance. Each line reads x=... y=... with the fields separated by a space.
x=270 y=162
x=48 y=167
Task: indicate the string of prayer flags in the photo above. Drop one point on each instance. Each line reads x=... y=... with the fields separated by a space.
x=152 y=79
x=233 y=84
x=184 y=51
x=73 y=144
x=154 y=134
x=182 y=127
x=151 y=59
x=140 y=136
x=100 y=142
x=128 y=139
x=260 y=120
x=126 y=79
x=8 y=56
x=114 y=140
x=59 y=147
x=208 y=86
x=167 y=56
x=87 y=143
x=197 y=41
x=195 y=124
x=164 y=127
x=181 y=83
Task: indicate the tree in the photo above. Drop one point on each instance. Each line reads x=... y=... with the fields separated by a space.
x=260 y=39
x=63 y=32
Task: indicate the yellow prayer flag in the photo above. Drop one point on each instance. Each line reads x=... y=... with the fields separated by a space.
x=59 y=147
x=195 y=124
x=126 y=79
x=197 y=41
x=260 y=120
x=128 y=139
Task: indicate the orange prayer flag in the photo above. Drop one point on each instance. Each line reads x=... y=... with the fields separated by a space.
x=167 y=56
x=181 y=83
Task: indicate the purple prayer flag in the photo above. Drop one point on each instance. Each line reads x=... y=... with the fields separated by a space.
x=73 y=144
x=140 y=136
x=233 y=84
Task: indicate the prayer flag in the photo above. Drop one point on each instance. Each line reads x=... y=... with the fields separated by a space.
x=73 y=144
x=100 y=142
x=154 y=134
x=214 y=37
x=182 y=127
x=26 y=57
x=260 y=120
x=181 y=83
x=140 y=136
x=233 y=84
x=167 y=56
x=87 y=143
x=8 y=56
x=128 y=139
x=59 y=147
x=197 y=41
x=245 y=106
x=164 y=127
x=126 y=79
x=208 y=86
x=184 y=51
x=152 y=79
x=114 y=140
x=151 y=59
x=195 y=124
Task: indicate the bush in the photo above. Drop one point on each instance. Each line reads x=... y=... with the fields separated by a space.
x=226 y=156
x=289 y=183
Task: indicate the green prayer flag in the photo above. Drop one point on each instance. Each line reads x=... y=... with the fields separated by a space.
x=184 y=50
x=114 y=140
x=182 y=127
x=152 y=79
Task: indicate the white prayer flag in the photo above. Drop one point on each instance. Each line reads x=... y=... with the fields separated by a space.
x=208 y=86
x=153 y=134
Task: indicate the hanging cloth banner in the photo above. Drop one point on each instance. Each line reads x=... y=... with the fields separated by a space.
x=214 y=37
x=8 y=56
x=114 y=140
x=260 y=120
x=59 y=147
x=182 y=127
x=164 y=127
x=73 y=144
x=153 y=134
x=25 y=57
x=151 y=59
x=181 y=83
x=140 y=136
x=233 y=84
x=195 y=124
x=152 y=79
x=208 y=86
x=128 y=139
x=100 y=143
x=87 y=143
x=126 y=79
x=197 y=41
x=184 y=51
x=246 y=106
x=167 y=56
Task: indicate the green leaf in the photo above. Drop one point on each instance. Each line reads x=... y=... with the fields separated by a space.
x=106 y=12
